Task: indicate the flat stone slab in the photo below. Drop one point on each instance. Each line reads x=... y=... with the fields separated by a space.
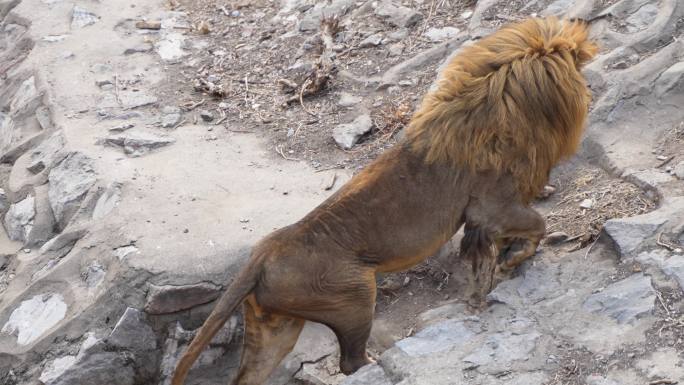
x=35 y=316
x=625 y=301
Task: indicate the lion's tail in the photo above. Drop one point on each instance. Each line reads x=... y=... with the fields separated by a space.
x=237 y=291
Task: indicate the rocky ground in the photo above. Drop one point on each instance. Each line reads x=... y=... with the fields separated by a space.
x=145 y=145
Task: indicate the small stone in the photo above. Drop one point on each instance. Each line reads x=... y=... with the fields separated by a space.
x=170 y=48
x=103 y=82
x=373 y=40
x=347 y=135
x=466 y=15
x=81 y=17
x=661 y=157
x=348 y=100
x=121 y=127
x=556 y=238
x=140 y=48
x=122 y=252
x=4 y=202
x=396 y=14
x=206 y=115
x=547 y=192
x=396 y=49
x=587 y=204
x=441 y=34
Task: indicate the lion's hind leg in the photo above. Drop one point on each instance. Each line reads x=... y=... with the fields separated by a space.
x=478 y=247
x=268 y=339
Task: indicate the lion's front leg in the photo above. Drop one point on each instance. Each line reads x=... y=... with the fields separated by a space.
x=500 y=234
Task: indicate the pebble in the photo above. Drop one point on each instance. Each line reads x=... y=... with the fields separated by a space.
x=207 y=116
x=587 y=203
x=556 y=238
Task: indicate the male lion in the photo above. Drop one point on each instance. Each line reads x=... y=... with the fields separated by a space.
x=478 y=150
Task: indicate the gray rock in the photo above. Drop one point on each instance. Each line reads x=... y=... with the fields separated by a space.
x=61 y=245
x=367 y=375
x=170 y=298
x=56 y=368
x=4 y=201
x=398 y=35
x=206 y=115
x=20 y=218
x=500 y=351
x=441 y=34
x=648 y=179
x=121 y=127
x=171 y=116
x=122 y=252
x=69 y=181
x=81 y=17
x=625 y=301
x=599 y=380
x=347 y=135
x=7 y=132
x=93 y=274
x=109 y=199
x=556 y=237
x=679 y=170
x=132 y=332
x=312 y=17
x=629 y=233
x=135 y=144
x=539 y=282
x=130 y=99
x=170 y=47
x=396 y=49
x=35 y=316
x=373 y=40
x=670 y=79
x=397 y=14
x=558 y=7
x=439 y=337
x=348 y=100
x=47 y=154
x=674 y=267
x=642 y=18
x=25 y=96
x=140 y=48
x=652 y=257
x=98 y=368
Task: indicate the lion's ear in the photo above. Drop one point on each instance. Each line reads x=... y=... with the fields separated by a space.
x=583 y=48
x=585 y=52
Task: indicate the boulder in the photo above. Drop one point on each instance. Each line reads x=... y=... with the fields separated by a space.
x=132 y=332
x=170 y=298
x=19 y=219
x=69 y=181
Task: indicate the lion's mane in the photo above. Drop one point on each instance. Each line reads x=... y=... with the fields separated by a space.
x=513 y=102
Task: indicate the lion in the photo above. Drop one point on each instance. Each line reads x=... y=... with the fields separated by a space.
x=476 y=152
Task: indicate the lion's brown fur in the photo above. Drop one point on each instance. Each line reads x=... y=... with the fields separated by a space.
x=480 y=147
x=513 y=102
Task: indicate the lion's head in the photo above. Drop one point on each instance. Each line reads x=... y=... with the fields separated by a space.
x=514 y=102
